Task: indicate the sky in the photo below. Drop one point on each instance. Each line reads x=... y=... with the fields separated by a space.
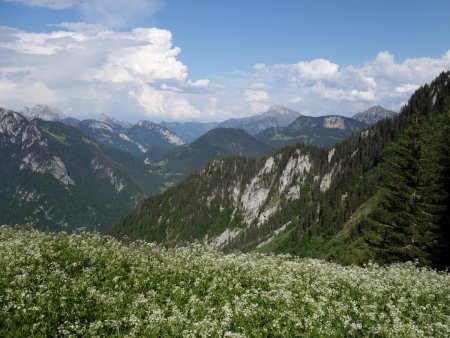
x=209 y=60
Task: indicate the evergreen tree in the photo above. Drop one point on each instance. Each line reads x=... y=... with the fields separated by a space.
x=404 y=226
x=444 y=219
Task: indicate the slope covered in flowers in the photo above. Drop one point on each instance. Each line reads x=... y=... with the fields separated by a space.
x=84 y=284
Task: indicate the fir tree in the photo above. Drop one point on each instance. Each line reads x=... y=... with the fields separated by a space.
x=404 y=226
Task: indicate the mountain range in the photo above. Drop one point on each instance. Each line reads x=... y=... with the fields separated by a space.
x=303 y=199
x=275 y=116
x=56 y=174
x=218 y=142
x=322 y=131
x=122 y=162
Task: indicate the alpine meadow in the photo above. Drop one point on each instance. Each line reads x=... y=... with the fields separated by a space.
x=224 y=169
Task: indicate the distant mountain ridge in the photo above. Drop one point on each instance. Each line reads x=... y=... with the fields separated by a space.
x=189 y=131
x=275 y=116
x=322 y=131
x=113 y=122
x=373 y=115
x=218 y=142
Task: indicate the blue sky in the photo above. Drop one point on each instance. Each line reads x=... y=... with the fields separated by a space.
x=212 y=59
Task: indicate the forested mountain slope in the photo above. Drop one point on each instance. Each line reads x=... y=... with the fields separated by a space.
x=56 y=174
x=219 y=142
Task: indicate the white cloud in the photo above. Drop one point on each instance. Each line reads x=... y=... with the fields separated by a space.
x=258 y=100
x=256 y=95
x=406 y=88
x=296 y=100
x=95 y=69
x=165 y=104
x=199 y=83
x=16 y=94
x=323 y=87
x=149 y=59
x=81 y=27
x=317 y=69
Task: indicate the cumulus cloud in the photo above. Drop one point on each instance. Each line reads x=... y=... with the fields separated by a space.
x=165 y=104
x=97 y=69
x=258 y=100
x=323 y=87
x=317 y=69
x=155 y=59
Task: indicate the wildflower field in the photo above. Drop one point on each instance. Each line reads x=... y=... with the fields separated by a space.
x=92 y=285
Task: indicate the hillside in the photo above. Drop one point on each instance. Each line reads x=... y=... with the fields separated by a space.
x=323 y=131
x=91 y=285
x=56 y=174
x=219 y=142
x=295 y=197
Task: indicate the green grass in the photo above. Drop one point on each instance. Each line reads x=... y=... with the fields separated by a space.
x=90 y=142
x=280 y=137
x=92 y=285
x=61 y=138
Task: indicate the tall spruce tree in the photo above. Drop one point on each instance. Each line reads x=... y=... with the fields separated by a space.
x=443 y=251
x=403 y=226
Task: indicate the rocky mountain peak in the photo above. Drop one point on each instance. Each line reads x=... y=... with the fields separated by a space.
x=373 y=115
x=43 y=112
x=278 y=110
x=113 y=121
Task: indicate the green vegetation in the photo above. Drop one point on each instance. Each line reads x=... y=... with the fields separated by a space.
x=220 y=142
x=90 y=142
x=59 y=137
x=91 y=285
